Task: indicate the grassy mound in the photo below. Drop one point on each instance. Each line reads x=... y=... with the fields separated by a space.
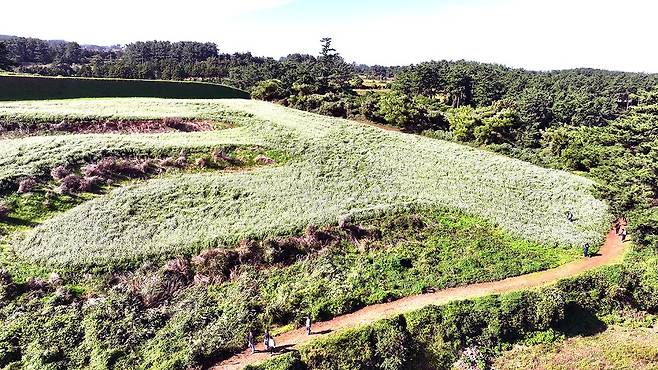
x=39 y=88
x=339 y=168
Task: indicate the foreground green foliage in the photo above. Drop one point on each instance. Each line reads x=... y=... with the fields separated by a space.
x=187 y=312
x=340 y=168
x=39 y=88
x=472 y=332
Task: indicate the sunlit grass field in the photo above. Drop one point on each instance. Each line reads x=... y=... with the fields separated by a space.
x=338 y=168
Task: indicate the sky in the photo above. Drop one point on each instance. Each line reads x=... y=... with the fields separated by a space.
x=532 y=34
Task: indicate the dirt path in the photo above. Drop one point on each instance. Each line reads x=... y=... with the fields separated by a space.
x=611 y=252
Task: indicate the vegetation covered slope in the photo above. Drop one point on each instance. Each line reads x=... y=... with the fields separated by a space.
x=37 y=88
x=617 y=348
x=340 y=168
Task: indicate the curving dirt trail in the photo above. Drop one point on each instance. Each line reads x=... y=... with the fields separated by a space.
x=611 y=251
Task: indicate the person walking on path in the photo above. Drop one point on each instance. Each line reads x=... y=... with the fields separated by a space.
x=623 y=235
x=250 y=341
x=308 y=325
x=586 y=250
x=266 y=340
x=272 y=344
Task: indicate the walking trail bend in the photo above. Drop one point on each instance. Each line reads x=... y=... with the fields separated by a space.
x=610 y=252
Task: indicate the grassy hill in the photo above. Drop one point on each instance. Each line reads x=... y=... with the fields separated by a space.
x=20 y=87
x=338 y=168
x=194 y=242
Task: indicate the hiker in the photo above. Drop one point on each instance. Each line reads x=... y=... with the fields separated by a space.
x=570 y=216
x=308 y=325
x=623 y=235
x=250 y=341
x=586 y=249
x=266 y=340
x=272 y=344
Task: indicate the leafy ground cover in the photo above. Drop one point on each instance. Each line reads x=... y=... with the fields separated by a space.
x=191 y=311
x=339 y=168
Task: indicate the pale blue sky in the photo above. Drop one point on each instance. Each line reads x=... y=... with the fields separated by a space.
x=535 y=34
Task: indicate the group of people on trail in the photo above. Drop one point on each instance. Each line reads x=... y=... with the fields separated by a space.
x=619 y=230
x=268 y=340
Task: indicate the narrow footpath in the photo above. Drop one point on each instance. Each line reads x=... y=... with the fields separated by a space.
x=611 y=251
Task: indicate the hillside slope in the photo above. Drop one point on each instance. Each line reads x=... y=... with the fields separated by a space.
x=339 y=168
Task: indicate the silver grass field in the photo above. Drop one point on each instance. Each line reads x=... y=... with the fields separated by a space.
x=339 y=168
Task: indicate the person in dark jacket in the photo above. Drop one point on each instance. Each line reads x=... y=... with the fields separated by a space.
x=586 y=250
x=250 y=341
x=266 y=340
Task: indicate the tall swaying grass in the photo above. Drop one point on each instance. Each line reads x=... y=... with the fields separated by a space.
x=340 y=168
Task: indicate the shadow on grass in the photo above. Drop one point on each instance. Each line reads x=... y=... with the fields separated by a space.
x=578 y=321
x=11 y=221
x=285 y=349
x=321 y=332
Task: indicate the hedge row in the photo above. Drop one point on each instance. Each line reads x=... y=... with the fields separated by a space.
x=41 y=88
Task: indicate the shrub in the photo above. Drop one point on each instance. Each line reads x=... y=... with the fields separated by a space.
x=7 y=286
x=179 y=266
x=70 y=184
x=268 y=90
x=90 y=183
x=263 y=160
x=60 y=172
x=214 y=265
x=202 y=163
x=334 y=109
x=26 y=185
x=385 y=345
x=4 y=210
x=154 y=289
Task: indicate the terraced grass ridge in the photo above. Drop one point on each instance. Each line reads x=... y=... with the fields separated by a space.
x=14 y=87
x=339 y=169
